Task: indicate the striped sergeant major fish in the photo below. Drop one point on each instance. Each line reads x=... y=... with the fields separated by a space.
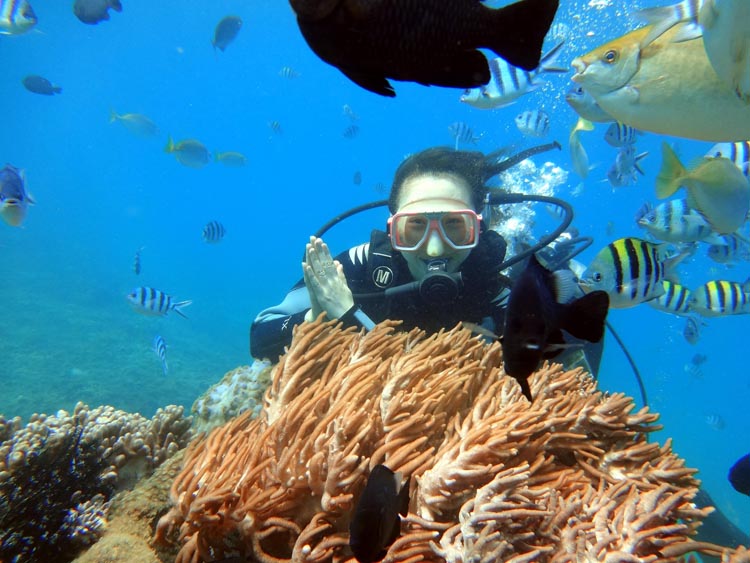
x=16 y=17
x=664 y=18
x=619 y=135
x=533 y=123
x=675 y=299
x=137 y=262
x=508 y=83
x=738 y=152
x=630 y=270
x=675 y=221
x=213 y=232
x=154 y=302
x=731 y=248
x=160 y=349
x=718 y=298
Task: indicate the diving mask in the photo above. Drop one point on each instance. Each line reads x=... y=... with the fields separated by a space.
x=459 y=229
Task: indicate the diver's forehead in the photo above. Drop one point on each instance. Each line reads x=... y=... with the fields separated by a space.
x=434 y=193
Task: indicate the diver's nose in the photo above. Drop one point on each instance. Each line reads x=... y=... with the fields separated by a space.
x=435 y=246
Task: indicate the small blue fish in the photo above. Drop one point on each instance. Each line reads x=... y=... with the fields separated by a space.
x=160 y=349
x=213 y=232
x=154 y=302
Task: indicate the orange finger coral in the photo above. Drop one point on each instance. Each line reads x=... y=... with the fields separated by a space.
x=570 y=477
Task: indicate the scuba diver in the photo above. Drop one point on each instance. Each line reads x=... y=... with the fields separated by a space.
x=438 y=264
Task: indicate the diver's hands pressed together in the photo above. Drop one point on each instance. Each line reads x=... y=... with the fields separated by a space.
x=325 y=281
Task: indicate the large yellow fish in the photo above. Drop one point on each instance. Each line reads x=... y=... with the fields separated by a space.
x=665 y=87
x=726 y=38
x=715 y=186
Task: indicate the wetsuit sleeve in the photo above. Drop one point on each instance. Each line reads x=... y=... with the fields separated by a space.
x=271 y=330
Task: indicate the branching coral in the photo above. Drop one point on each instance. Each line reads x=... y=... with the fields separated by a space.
x=58 y=472
x=570 y=477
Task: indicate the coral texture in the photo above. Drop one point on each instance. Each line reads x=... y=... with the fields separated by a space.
x=570 y=477
x=238 y=391
x=58 y=473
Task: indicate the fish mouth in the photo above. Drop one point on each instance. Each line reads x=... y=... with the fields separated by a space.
x=579 y=68
x=12 y=202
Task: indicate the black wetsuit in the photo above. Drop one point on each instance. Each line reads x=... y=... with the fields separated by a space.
x=375 y=266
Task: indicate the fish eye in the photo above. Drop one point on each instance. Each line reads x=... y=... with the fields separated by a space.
x=597 y=276
x=610 y=56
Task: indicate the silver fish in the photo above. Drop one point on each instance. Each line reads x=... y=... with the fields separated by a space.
x=508 y=83
x=585 y=105
x=16 y=17
x=154 y=302
x=14 y=199
x=533 y=123
x=160 y=349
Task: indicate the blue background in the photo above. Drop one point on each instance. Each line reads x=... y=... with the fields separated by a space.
x=67 y=333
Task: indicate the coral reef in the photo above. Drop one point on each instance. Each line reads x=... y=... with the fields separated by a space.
x=58 y=473
x=239 y=390
x=568 y=478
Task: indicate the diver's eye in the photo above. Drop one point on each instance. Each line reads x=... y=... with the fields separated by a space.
x=610 y=56
x=597 y=277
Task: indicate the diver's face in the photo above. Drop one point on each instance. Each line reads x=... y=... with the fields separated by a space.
x=429 y=194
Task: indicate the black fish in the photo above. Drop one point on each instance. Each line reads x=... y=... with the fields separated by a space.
x=40 y=85
x=376 y=523
x=226 y=31
x=536 y=316
x=425 y=41
x=94 y=11
x=739 y=475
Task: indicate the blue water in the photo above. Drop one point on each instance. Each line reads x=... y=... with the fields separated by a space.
x=67 y=333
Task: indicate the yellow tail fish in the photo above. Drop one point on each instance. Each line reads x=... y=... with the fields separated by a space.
x=665 y=87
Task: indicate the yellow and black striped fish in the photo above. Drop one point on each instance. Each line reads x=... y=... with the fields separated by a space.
x=718 y=298
x=630 y=270
x=675 y=299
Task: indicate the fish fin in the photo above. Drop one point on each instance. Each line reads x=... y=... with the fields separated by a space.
x=671 y=173
x=582 y=125
x=178 y=306
x=687 y=32
x=547 y=64
x=403 y=497
x=170 y=145
x=115 y=5
x=565 y=285
x=638 y=158
x=372 y=82
x=516 y=32
x=585 y=317
x=525 y=389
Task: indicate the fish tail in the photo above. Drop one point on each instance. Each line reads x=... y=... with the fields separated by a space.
x=672 y=172
x=113 y=116
x=57 y=89
x=170 y=144
x=178 y=306
x=516 y=32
